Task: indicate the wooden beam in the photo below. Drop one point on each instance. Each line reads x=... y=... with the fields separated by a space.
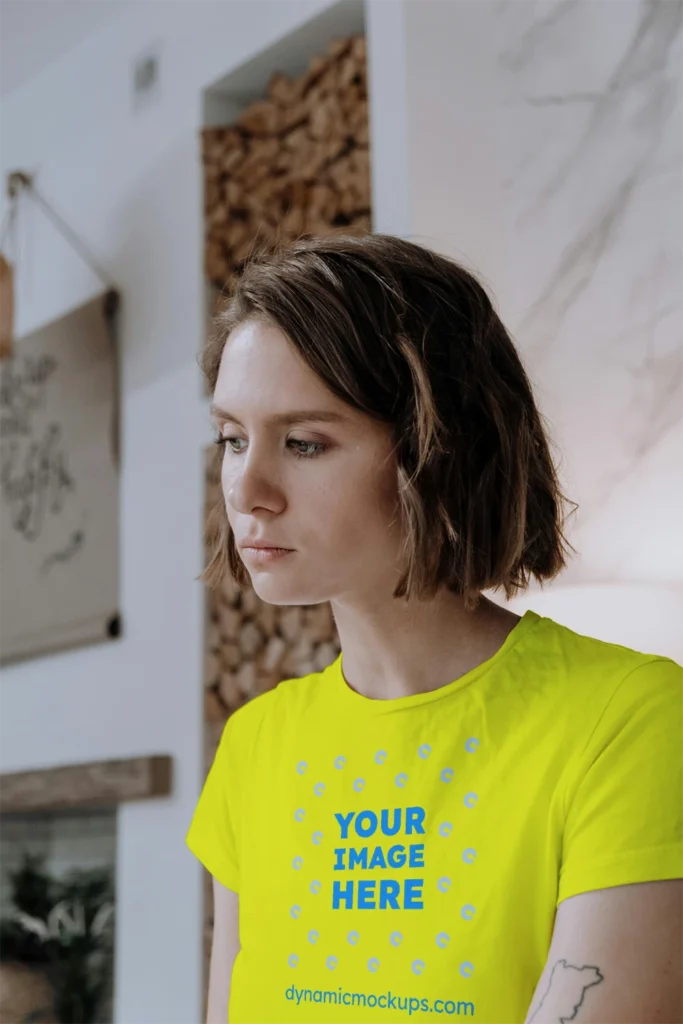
x=96 y=783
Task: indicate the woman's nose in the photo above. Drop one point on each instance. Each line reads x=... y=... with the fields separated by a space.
x=253 y=489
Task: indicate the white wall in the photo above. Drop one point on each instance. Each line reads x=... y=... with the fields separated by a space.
x=590 y=151
x=130 y=184
x=434 y=91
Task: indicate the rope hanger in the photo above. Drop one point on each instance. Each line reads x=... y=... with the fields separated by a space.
x=18 y=181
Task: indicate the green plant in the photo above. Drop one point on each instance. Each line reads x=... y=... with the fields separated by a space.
x=65 y=925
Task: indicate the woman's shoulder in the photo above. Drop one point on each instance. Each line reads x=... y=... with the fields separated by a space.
x=558 y=642
x=590 y=672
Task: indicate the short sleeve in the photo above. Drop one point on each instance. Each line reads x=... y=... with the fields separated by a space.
x=214 y=830
x=624 y=820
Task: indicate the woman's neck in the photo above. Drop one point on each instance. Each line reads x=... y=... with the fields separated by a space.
x=401 y=648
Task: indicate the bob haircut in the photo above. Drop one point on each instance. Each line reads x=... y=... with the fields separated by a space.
x=411 y=338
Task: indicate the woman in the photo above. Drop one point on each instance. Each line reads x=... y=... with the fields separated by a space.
x=451 y=819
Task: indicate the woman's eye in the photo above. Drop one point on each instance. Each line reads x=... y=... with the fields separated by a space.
x=310 y=448
x=227 y=441
x=314 y=448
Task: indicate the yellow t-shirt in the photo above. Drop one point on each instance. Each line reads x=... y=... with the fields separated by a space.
x=403 y=859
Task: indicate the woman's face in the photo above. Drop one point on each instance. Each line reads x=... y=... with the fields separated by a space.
x=325 y=486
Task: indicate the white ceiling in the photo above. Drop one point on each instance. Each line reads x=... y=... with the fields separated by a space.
x=35 y=32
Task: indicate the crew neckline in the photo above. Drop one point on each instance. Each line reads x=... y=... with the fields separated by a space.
x=357 y=702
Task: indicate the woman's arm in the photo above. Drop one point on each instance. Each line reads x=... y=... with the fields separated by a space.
x=224 y=948
x=615 y=956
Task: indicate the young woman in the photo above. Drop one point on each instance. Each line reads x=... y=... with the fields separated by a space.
x=470 y=813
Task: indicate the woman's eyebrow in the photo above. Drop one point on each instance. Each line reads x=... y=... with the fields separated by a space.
x=285 y=418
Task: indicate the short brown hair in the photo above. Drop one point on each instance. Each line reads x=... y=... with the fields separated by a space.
x=411 y=338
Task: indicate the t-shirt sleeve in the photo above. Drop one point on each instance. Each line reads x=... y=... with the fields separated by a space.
x=213 y=835
x=624 y=821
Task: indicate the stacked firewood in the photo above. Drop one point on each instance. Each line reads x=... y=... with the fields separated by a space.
x=294 y=163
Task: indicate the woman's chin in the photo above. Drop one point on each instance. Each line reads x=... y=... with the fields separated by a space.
x=276 y=591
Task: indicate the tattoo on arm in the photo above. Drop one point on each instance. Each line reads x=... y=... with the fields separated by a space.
x=567 y=987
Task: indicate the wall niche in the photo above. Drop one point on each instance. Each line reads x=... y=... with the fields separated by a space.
x=286 y=147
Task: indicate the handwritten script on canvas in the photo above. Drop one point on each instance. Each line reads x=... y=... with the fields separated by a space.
x=35 y=480
x=59 y=486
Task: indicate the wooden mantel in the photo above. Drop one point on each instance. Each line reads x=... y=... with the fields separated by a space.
x=93 y=784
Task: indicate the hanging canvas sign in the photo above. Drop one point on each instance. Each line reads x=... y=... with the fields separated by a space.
x=6 y=307
x=59 y=489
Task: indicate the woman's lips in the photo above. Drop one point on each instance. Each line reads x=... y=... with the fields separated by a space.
x=266 y=555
